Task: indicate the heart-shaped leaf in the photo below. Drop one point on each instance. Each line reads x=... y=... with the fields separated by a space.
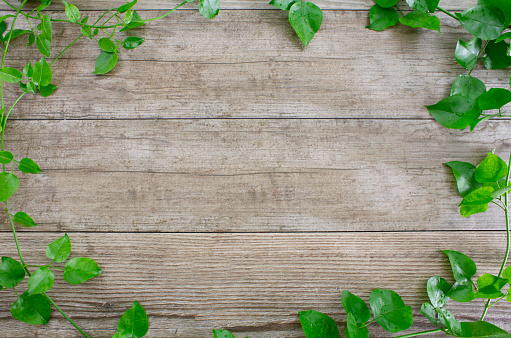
x=318 y=325
x=390 y=311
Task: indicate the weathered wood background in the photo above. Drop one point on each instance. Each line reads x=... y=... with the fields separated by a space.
x=226 y=178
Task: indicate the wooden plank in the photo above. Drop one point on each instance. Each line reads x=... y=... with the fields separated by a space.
x=252 y=283
x=193 y=68
x=240 y=4
x=248 y=175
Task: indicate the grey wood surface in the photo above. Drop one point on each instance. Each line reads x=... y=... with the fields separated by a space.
x=227 y=178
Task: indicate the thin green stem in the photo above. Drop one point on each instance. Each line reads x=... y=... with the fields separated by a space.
x=17 y=243
x=9 y=4
x=4 y=120
x=166 y=14
x=500 y=206
x=448 y=13
x=478 y=57
x=486 y=307
x=65 y=316
x=419 y=333
x=65 y=49
x=508 y=231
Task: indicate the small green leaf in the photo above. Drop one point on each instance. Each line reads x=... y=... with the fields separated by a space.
x=135 y=22
x=306 y=19
x=44 y=45
x=222 y=334
x=42 y=75
x=11 y=75
x=464 y=174
x=437 y=288
x=59 y=250
x=40 y=281
x=429 y=312
x=479 y=196
x=126 y=6
x=353 y=330
x=133 y=322
x=209 y=8
x=468 y=86
x=491 y=169
x=446 y=318
x=463 y=268
x=318 y=325
x=455 y=112
x=105 y=63
x=390 y=311
x=106 y=45
x=24 y=219
x=81 y=269
x=31 y=39
x=47 y=90
x=496 y=55
x=469 y=210
x=386 y=3
x=419 y=19
x=45 y=28
x=503 y=37
x=16 y=33
x=483 y=21
x=495 y=98
x=28 y=166
x=72 y=12
x=466 y=53
x=282 y=4
x=356 y=306
x=489 y=286
x=6 y=157
x=506 y=274
x=9 y=184
x=32 y=309
x=482 y=329
x=132 y=42
x=11 y=272
x=87 y=32
x=423 y=5
x=28 y=71
x=382 y=18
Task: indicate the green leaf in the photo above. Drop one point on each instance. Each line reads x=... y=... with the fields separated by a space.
x=11 y=272
x=132 y=42
x=437 y=288
x=28 y=71
x=222 y=334
x=483 y=329
x=306 y=19
x=390 y=311
x=81 y=269
x=489 y=286
x=382 y=18
x=506 y=274
x=463 y=268
x=419 y=19
x=446 y=318
x=209 y=8
x=468 y=86
x=16 y=33
x=127 y=6
x=491 y=169
x=31 y=309
x=318 y=325
x=42 y=75
x=9 y=184
x=28 y=166
x=72 y=12
x=483 y=21
x=353 y=330
x=503 y=37
x=47 y=90
x=133 y=322
x=135 y=22
x=106 y=45
x=58 y=251
x=40 y=281
x=86 y=31
x=429 y=312
x=469 y=210
x=11 y=75
x=495 y=98
x=504 y=5
x=282 y=4
x=496 y=56
x=467 y=52
x=45 y=27
x=105 y=63
x=44 y=45
x=386 y=3
x=6 y=157
x=479 y=196
x=31 y=39
x=455 y=112
x=423 y=5
x=464 y=174
x=24 y=219
x=356 y=306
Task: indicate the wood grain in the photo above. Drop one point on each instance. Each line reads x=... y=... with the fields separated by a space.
x=250 y=64
x=254 y=283
x=248 y=175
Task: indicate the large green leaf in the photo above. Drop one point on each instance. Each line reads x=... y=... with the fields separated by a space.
x=390 y=311
x=381 y=18
x=134 y=322
x=466 y=53
x=353 y=330
x=479 y=196
x=32 y=309
x=42 y=74
x=469 y=210
x=423 y=5
x=306 y=19
x=483 y=329
x=11 y=272
x=9 y=184
x=24 y=219
x=437 y=288
x=429 y=312
x=463 y=268
x=495 y=98
x=446 y=318
x=285 y=5
x=468 y=86
x=72 y=12
x=464 y=174
x=455 y=112
x=59 y=250
x=318 y=325
x=28 y=166
x=462 y=292
x=40 y=281
x=356 y=306
x=491 y=169
x=11 y=75
x=504 y=5
x=483 y=21
x=419 y=19
x=489 y=286
x=496 y=55
x=209 y=8
x=81 y=269
x=105 y=63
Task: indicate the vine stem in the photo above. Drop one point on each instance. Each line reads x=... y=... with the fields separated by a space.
x=448 y=13
x=65 y=50
x=419 y=333
x=65 y=316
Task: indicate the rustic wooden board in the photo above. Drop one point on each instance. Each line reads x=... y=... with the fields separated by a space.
x=253 y=284
x=193 y=68
x=239 y=4
x=248 y=175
